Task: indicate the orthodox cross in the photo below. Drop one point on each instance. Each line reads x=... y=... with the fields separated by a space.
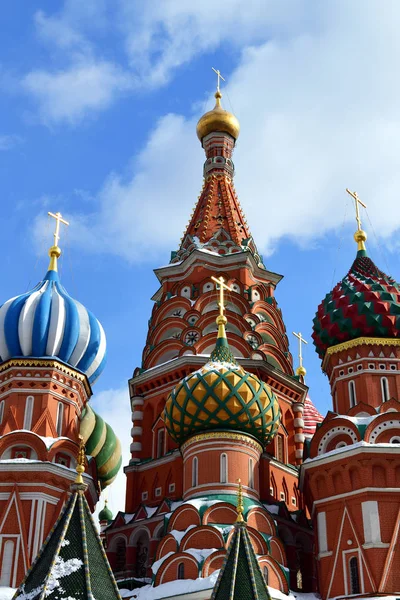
x=59 y=219
x=222 y=287
x=301 y=341
x=219 y=76
x=357 y=202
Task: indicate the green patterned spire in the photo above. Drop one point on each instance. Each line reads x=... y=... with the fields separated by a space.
x=72 y=562
x=240 y=577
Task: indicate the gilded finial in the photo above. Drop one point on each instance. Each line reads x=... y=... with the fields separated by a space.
x=221 y=320
x=55 y=251
x=240 y=506
x=300 y=371
x=80 y=462
x=360 y=236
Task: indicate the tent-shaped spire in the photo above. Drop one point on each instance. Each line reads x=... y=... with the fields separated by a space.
x=240 y=577
x=71 y=563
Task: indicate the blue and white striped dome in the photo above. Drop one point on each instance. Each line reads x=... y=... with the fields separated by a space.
x=47 y=323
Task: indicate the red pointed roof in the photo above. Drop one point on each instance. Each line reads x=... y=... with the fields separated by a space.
x=218 y=208
x=217 y=224
x=311 y=417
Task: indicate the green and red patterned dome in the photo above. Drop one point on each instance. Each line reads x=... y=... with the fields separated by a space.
x=366 y=303
x=221 y=395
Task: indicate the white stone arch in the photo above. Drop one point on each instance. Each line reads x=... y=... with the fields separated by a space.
x=334 y=432
x=112 y=547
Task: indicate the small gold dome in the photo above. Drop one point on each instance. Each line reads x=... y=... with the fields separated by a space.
x=360 y=236
x=218 y=119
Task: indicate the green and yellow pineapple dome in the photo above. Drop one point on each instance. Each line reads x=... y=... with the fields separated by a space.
x=222 y=395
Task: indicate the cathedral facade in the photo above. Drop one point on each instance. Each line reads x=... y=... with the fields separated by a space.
x=237 y=487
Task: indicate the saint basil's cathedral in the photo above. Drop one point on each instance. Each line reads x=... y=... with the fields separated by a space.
x=237 y=488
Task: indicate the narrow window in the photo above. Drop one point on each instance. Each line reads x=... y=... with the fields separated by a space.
x=160 y=442
x=251 y=473
x=60 y=418
x=1 y=411
x=265 y=573
x=280 y=448
x=299 y=580
x=352 y=393
x=354 y=576
x=385 y=389
x=28 y=412
x=224 y=468
x=181 y=571
x=195 y=469
x=7 y=564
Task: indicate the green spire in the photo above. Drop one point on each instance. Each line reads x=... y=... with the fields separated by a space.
x=240 y=577
x=72 y=562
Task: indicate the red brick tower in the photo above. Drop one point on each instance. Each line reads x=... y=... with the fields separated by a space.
x=182 y=334
x=352 y=476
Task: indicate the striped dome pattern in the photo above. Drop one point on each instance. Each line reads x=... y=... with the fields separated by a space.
x=365 y=303
x=47 y=323
x=101 y=443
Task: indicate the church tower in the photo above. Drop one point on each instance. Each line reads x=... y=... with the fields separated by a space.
x=351 y=479
x=200 y=422
x=52 y=349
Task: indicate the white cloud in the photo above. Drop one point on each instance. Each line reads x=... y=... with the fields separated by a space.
x=7 y=142
x=73 y=93
x=318 y=106
x=114 y=407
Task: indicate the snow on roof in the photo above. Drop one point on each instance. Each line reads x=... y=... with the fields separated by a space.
x=358 y=420
x=201 y=555
x=350 y=447
x=172 y=588
x=49 y=441
x=178 y=535
x=157 y=564
x=6 y=593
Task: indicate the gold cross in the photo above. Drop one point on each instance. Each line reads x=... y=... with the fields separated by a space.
x=301 y=341
x=59 y=219
x=219 y=76
x=357 y=202
x=222 y=287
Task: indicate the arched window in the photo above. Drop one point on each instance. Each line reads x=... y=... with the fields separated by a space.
x=224 y=468
x=265 y=574
x=299 y=580
x=60 y=418
x=160 y=442
x=354 y=576
x=181 y=571
x=385 y=389
x=251 y=473
x=28 y=412
x=120 y=558
x=195 y=471
x=1 y=411
x=7 y=563
x=352 y=393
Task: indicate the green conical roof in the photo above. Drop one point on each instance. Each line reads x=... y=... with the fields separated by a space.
x=240 y=577
x=71 y=563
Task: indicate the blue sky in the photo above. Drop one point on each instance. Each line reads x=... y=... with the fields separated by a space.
x=98 y=110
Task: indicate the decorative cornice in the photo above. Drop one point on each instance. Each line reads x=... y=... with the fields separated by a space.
x=49 y=364
x=360 y=341
x=215 y=435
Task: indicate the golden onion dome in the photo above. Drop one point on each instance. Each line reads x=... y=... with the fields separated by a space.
x=218 y=119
